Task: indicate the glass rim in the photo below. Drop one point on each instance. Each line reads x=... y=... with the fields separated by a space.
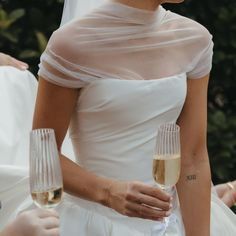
x=44 y=130
x=169 y=127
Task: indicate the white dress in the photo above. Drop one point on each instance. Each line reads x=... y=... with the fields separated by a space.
x=113 y=133
x=128 y=87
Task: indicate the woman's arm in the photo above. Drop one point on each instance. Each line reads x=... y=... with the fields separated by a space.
x=195 y=180
x=54 y=107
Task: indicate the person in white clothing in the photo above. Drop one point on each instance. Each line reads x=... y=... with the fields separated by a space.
x=113 y=76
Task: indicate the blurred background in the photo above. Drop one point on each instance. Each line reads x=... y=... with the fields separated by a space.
x=26 y=25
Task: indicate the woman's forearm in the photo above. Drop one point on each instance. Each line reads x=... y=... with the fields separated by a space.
x=84 y=184
x=194 y=190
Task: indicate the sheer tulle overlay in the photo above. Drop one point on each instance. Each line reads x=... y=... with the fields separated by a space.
x=118 y=41
x=132 y=67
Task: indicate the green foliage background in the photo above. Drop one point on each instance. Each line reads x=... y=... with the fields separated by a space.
x=26 y=25
x=220 y=18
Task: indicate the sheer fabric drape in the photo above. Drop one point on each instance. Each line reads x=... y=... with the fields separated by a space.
x=122 y=42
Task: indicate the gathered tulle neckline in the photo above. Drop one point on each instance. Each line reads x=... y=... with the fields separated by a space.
x=134 y=15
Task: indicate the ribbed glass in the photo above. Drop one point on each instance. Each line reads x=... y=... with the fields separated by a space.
x=46 y=184
x=166 y=161
x=168 y=140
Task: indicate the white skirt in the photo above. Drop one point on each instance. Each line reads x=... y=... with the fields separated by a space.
x=83 y=218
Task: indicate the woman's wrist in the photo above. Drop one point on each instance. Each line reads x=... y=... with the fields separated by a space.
x=103 y=193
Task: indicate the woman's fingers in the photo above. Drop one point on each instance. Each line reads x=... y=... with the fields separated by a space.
x=7 y=60
x=50 y=222
x=42 y=213
x=18 y=64
x=136 y=199
x=146 y=212
x=152 y=202
x=155 y=192
x=52 y=232
x=228 y=200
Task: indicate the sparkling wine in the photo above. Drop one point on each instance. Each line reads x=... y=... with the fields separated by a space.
x=166 y=170
x=47 y=199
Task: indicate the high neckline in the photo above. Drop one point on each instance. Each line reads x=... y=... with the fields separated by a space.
x=135 y=15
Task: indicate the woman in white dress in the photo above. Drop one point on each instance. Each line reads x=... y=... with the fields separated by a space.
x=113 y=77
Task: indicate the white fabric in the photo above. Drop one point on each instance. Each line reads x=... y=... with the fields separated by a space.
x=77 y=8
x=17 y=99
x=111 y=141
x=118 y=41
x=126 y=61
x=14 y=190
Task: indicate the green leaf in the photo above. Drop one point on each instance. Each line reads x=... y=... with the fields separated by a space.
x=16 y=14
x=29 y=54
x=9 y=36
x=42 y=40
x=3 y=15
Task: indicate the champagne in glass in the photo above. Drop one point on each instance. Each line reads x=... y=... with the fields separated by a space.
x=46 y=183
x=166 y=165
x=166 y=161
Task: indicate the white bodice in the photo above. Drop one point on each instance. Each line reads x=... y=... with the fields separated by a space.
x=114 y=126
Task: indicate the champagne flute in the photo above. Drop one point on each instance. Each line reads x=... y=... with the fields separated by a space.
x=46 y=184
x=166 y=168
x=166 y=161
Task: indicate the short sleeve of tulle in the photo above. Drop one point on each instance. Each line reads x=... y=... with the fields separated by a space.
x=57 y=65
x=202 y=63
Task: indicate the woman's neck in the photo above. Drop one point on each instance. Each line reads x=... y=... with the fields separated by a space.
x=150 y=5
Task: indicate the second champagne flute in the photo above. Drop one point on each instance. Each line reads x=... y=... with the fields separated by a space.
x=46 y=184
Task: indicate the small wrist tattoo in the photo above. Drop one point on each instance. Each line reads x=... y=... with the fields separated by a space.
x=191 y=177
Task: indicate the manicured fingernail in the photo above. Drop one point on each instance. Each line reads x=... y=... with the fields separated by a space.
x=171 y=205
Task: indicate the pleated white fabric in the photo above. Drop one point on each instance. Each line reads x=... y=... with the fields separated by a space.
x=18 y=91
x=17 y=98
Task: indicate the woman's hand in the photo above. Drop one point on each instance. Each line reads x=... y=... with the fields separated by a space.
x=135 y=199
x=6 y=60
x=37 y=222
x=226 y=194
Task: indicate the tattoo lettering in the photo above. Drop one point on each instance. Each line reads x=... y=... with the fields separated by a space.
x=191 y=177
